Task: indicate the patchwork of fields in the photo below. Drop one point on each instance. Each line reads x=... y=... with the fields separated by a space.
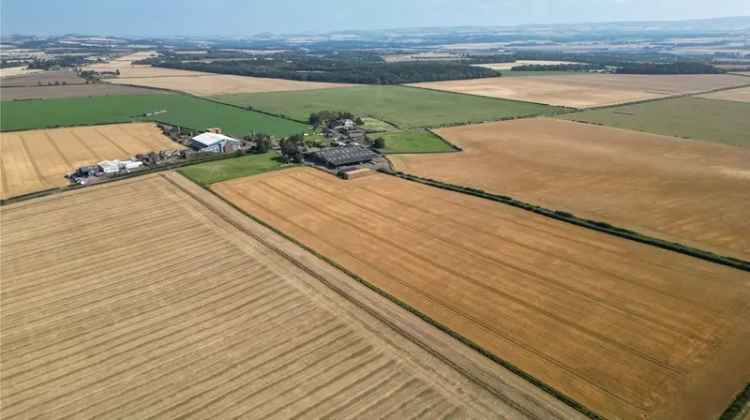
x=628 y=330
x=403 y=106
x=182 y=110
x=685 y=191
x=698 y=118
x=149 y=297
x=588 y=90
x=37 y=160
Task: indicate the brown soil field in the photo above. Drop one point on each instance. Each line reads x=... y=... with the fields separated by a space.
x=71 y=91
x=44 y=77
x=206 y=84
x=737 y=95
x=690 y=192
x=153 y=298
x=628 y=330
x=587 y=90
x=37 y=160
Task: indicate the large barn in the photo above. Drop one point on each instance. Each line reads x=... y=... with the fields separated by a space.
x=214 y=142
x=343 y=156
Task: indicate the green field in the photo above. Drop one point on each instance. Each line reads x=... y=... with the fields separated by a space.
x=222 y=170
x=183 y=110
x=413 y=141
x=405 y=107
x=692 y=118
x=374 y=125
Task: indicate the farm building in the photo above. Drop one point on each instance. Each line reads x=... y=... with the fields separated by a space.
x=342 y=156
x=214 y=142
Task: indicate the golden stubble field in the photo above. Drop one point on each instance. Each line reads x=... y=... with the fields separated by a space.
x=628 y=330
x=36 y=160
x=207 y=84
x=151 y=298
x=686 y=191
x=588 y=90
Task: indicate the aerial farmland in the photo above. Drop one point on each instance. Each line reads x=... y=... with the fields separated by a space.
x=626 y=329
x=91 y=330
x=588 y=90
x=666 y=187
x=514 y=221
x=37 y=160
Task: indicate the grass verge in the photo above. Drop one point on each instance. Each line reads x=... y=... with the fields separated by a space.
x=209 y=173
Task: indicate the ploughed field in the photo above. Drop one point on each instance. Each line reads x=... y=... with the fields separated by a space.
x=37 y=160
x=691 y=192
x=148 y=298
x=625 y=329
x=588 y=90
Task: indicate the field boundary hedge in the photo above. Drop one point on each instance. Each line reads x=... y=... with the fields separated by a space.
x=738 y=406
x=570 y=402
x=600 y=226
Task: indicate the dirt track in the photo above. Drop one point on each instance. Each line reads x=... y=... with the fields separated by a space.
x=151 y=297
x=685 y=191
x=36 y=160
x=626 y=329
x=588 y=90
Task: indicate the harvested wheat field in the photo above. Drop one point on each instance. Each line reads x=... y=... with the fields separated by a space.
x=737 y=95
x=207 y=84
x=152 y=298
x=588 y=90
x=37 y=160
x=625 y=329
x=691 y=192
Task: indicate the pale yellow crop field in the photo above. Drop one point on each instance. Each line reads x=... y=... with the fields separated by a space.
x=153 y=298
x=628 y=330
x=737 y=95
x=588 y=90
x=36 y=160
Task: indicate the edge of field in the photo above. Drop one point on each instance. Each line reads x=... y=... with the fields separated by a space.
x=567 y=217
x=510 y=385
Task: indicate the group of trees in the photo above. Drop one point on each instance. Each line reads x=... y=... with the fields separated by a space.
x=323 y=118
x=361 y=68
x=668 y=68
x=263 y=142
x=292 y=148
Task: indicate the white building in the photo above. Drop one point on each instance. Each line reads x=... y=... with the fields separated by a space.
x=213 y=142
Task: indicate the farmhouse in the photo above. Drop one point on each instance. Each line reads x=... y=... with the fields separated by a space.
x=342 y=156
x=214 y=142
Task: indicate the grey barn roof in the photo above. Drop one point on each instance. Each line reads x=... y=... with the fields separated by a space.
x=345 y=155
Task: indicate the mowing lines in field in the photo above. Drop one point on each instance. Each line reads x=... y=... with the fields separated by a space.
x=38 y=159
x=571 y=308
x=154 y=303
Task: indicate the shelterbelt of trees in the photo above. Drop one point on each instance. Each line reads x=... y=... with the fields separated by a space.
x=341 y=68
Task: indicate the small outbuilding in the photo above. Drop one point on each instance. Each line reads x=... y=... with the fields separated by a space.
x=214 y=142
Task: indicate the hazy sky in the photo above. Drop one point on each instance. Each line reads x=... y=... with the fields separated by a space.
x=246 y=17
